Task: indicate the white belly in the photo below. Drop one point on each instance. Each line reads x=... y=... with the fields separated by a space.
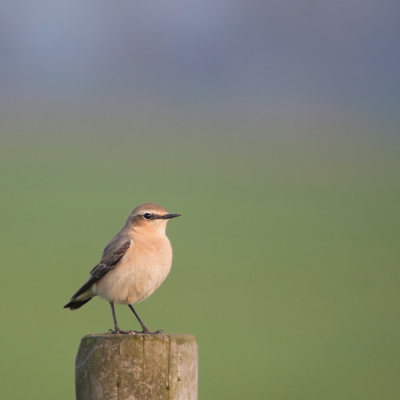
x=137 y=276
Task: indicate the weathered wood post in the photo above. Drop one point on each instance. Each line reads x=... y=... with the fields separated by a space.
x=136 y=367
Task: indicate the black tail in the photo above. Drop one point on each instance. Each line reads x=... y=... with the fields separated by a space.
x=75 y=304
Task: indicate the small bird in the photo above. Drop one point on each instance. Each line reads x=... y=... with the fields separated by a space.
x=134 y=263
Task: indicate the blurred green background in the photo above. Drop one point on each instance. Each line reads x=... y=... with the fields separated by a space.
x=285 y=257
x=271 y=126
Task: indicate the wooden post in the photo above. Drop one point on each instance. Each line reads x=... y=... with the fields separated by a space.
x=136 y=367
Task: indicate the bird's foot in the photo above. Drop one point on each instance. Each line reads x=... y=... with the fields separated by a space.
x=119 y=332
x=147 y=332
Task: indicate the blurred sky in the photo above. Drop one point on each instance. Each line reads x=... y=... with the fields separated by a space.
x=234 y=55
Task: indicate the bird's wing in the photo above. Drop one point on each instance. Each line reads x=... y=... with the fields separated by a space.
x=111 y=257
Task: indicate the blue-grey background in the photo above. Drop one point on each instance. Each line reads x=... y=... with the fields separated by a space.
x=271 y=126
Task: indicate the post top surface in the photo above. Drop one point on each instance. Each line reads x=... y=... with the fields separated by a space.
x=141 y=335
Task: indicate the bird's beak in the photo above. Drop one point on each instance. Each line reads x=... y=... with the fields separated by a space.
x=169 y=216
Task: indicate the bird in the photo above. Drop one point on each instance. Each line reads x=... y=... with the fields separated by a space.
x=134 y=264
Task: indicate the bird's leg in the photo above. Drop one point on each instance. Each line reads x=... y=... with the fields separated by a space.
x=145 y=330
x=117 y=330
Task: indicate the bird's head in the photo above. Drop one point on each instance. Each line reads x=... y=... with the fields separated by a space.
x=149 y=217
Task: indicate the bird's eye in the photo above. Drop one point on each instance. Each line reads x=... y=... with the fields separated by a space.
x=147 y=215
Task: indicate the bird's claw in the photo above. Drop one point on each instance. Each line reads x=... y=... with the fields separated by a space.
x=119 y=332
x=147 y=332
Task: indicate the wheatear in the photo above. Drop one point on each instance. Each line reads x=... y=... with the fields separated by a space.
x=134 y=264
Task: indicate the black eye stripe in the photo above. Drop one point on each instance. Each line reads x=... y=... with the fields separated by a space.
x=151 y=216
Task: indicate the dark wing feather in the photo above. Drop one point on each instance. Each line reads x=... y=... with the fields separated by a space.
x=108 y=262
